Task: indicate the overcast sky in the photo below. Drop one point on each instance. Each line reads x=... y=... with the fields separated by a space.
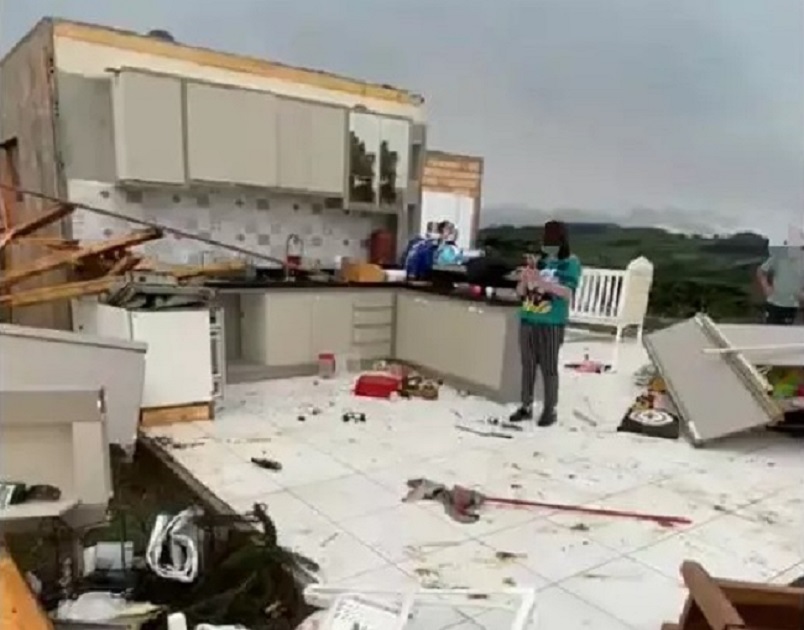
x=595 y=104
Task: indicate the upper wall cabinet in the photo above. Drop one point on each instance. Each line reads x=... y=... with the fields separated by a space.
x=312 y=147
x=364 y=148
x=330 y=133
x=231 y=135
x=394 y=160
x=147 y=112
x=379 y=157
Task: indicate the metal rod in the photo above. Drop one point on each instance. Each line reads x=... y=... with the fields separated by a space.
x=764 y=348
x=153 y=224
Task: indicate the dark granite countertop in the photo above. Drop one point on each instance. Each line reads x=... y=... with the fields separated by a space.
x=458 y=293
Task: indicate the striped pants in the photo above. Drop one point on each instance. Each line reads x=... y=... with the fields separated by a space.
x=538 y=348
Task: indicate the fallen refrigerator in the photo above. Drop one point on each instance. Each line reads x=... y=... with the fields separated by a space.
x=717 y=390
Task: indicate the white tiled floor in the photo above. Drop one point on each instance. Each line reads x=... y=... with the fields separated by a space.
x=338 y=496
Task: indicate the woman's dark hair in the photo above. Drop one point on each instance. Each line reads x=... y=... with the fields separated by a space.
x=555 y=233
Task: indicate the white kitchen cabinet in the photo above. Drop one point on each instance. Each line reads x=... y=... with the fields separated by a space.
x=178 y=362
x=182 y=345
x=415 y=337
x=331 y=323
x=288 y=327
x=485 y=329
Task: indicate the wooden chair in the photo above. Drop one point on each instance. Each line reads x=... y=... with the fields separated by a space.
x=716 y=604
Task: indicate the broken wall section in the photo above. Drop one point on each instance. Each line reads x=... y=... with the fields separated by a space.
x=29 y=154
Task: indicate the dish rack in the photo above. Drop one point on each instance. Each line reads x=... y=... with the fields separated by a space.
x=366 y=609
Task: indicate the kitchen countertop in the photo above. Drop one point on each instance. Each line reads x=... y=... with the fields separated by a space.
x=245 y=286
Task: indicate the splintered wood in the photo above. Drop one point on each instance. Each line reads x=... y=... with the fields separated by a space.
x=720 y=604
x=19 y=609
x=160 y=416
x=95 y=268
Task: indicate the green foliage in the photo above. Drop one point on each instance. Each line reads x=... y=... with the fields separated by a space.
x=691 y=273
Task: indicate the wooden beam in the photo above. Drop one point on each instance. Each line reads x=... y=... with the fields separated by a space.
x=126 y=263
x=71 y=258
x=213 y=269
x=29 y=227
x=65 y=291
x=19 y=609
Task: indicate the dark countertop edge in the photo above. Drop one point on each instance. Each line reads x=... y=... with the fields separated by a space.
x=357 y=286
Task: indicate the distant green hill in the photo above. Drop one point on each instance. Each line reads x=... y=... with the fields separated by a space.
x=692 y=273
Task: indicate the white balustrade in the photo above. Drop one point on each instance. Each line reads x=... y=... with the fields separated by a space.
x=615 y=298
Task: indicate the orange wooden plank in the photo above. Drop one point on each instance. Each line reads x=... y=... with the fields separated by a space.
x=70 y=258
x=19 y=609
x=29 y=227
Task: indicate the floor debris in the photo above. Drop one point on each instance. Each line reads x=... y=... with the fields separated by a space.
x=267 y=464
x=483 y=433
x=462 y=504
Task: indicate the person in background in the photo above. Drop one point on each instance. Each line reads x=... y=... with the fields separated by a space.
x=448 y=253
x=546 y=285
x=420 y=254
x=781 y=278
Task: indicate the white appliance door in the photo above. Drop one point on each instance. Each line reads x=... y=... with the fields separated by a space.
x=178 y=362
x=465 y=212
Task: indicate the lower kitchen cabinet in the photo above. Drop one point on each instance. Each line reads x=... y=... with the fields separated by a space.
x=182 y=362
x=332 y=323
x=483 y=330
x=291 y=327
x=277 y=328
x=413 y=329
x=454 y=338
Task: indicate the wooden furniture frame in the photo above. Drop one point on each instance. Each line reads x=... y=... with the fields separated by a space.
x=718 y=604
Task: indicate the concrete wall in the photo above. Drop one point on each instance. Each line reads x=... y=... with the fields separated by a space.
x=27 y=106
x=256 y=222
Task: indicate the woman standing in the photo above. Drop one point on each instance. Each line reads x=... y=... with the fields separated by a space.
x=546 y=287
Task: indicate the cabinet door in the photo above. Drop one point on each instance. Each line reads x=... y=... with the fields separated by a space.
x=288 y=328
x=408 y=318
x=178 y=362
x=329 y=135
x=332 y=323
x=295 y=144
x=253 y=326
x=485 y=328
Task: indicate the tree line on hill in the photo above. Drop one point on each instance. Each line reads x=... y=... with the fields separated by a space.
x=692 y=273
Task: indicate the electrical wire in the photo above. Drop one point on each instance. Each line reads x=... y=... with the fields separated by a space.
x=152 y=224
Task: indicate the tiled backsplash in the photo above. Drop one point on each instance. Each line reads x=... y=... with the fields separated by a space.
x=256 y=222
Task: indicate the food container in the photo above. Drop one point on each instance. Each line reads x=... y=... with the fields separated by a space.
x=395 y=275
x=326 y=365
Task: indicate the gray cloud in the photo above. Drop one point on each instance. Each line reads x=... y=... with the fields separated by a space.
x=596 y=104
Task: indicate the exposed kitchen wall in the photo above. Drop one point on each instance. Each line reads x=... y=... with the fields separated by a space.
x=27 y=122
x=253 y=221
x=84 y=55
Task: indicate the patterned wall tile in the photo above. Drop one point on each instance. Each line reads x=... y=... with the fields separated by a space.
x=258 y=223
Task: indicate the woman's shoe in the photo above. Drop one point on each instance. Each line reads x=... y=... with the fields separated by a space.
x=522 y=414
x=547 y=418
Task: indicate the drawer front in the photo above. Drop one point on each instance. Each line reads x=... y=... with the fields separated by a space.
x=381 y=350
x=372 y=334
x=373 y=317
x=374 y=299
